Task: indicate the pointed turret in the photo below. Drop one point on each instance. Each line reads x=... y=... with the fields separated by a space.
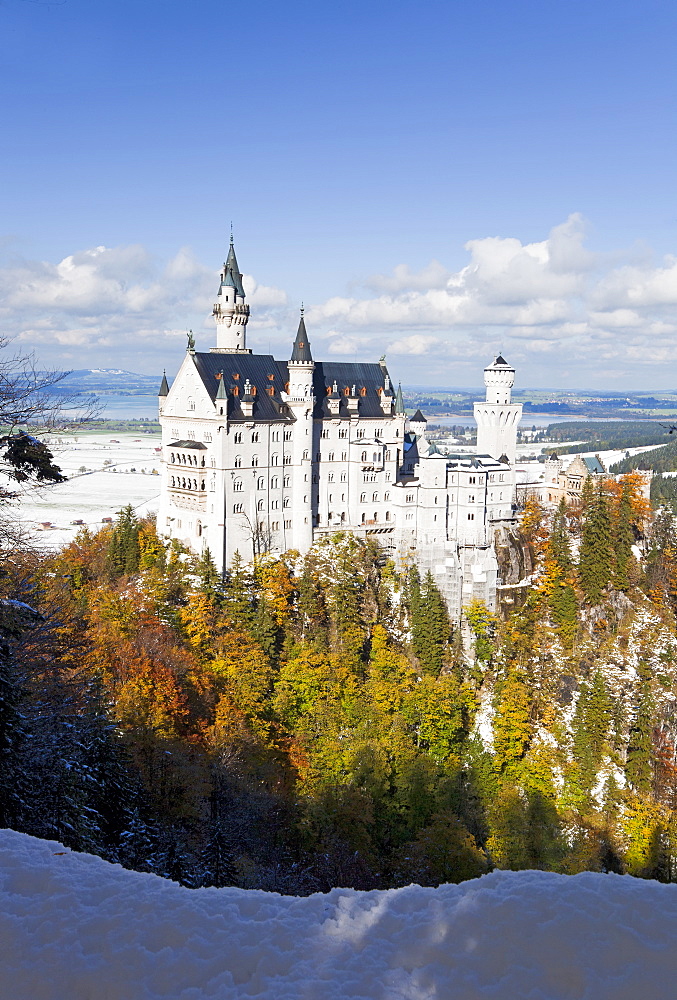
x=300 y=353
x=164 y=385
x=399 y=401
x=221 y=391
x=230 y=310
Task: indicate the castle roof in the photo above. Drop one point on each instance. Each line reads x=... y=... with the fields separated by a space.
x=301 y=349
x=270 y=377
x=418 y=418
x=164 y=386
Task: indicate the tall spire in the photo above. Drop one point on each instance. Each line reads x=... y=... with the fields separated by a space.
x=164 y=386
x=230 y=309
x=301 y=349
x=399 y=401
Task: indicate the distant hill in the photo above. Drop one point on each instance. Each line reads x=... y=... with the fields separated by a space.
x=109 y=380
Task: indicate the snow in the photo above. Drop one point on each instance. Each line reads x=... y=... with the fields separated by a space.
x=74 y=927
x=99 y=492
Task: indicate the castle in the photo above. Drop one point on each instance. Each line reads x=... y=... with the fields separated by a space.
x=262 y=456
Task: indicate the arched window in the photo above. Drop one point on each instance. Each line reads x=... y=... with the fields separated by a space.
x=171 y=459
x=238 y=437
x=255 y=437
x=274 y=459
x=259 y=505
x=331 y=456
x=172 y=480
x=330 y=477
x=375 y=515
x=286 y=502
x=237 y=485
x=374 y=498
x=386 y=496
x=191 y=404
x=364 y=456
x=255 y=461
x=364 y=518
x=274 y=483
x=387 y=456
x=183 y=484
x=198 y=529
x=375 y=457
x=363 y=391
x=287 y=459
x=260 y=483
x=363 y=497
x=287 y=481
x=387 y=515
x=203 y=485
x=238 y=462
x=343 y=516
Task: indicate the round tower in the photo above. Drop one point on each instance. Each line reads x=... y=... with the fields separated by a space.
x=231 y=312
x=301 y=401
x=497 y=417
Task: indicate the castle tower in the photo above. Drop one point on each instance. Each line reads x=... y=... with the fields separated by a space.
x=230 y=310
x=497 y=418
x=300 y=400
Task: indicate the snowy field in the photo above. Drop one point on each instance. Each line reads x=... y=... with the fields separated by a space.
x=119 y=469
x=74 y=927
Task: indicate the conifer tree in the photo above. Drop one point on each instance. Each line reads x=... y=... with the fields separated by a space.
x=623 y=539
x=638 y=761
x=560 y=546
x=124 y=550
x=594 y=566
x=211 y=583
x=590 y=728
x=430 y=625
x=238 y=589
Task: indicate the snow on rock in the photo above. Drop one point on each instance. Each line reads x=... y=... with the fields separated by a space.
x=74 y=927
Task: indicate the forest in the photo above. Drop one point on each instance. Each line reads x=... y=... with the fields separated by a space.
x=319 y=721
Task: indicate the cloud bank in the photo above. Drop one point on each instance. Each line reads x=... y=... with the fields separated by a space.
x=564 y=314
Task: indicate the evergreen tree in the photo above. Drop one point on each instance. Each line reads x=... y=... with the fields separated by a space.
x=623 y=538
x=238 y=594
x=211 y=582
x=124 y=550
x=590 y=728
x=430 y=625
x=560 y=546
x=639 y=757
x=594 y=566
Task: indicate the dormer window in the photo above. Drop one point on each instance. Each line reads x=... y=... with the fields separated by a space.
x=236 y=376
x=363 y=391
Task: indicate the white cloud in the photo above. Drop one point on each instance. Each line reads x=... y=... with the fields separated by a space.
x=551 y=302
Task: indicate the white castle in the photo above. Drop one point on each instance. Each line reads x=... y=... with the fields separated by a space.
x=262 y=456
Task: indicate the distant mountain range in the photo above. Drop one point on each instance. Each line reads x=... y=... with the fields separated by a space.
x=114 y=380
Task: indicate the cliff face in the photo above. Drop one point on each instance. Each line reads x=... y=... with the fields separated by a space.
x=516 y=561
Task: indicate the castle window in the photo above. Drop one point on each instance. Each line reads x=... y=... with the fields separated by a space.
x=287 y=459
x=274 y=483
x=275 y=505
x=375 y=516
x=363 y=391
x=387 y=477
x=259 y=505
x=306 y=454
x=364 y=518
x=287 y=435
x=409 y=498
x=435 y=499
x=237 y=485
x=287 y=482
x=386 y=496
x=374 y=498
x=287 y=525
x=255 y=461
x=375 y=458
x=207 y=436
x=212 y=462
x=331 y=456
x=175 y=432
x=344 y=456
x=387 y=456
x=191 y=435
x=346 y=390
x=363 y=497
x=471 y=517
x=344 y=477
x=236 y=390
x=275 y=436
x=255 y=437
x=343 y=516
x=471 y=498
x=472 y=479
x=330 y=477
x=171 y=459
x=238 y=437
x=318 y=456
x=360 y=432
x=364 y=456
x=387 y=515
x=275 y=459
x=237 y=508
x=330 y=498
x=191 y=404
x=238 y=462
x=271 y=378
x=275 y=526
x=271 y=390
x=260 y=483
x=343 y=433
x=325 y=433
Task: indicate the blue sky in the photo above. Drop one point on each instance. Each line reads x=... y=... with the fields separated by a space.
x=440 y=180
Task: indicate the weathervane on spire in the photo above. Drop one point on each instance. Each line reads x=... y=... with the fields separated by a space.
x=231 y=234
x=302 y=310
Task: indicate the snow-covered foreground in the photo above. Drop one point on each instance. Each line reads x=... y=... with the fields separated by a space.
x=73 y=927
